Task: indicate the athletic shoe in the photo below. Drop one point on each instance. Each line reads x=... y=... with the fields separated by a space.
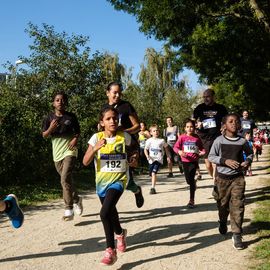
x=199 y=177
x=223 y=227
x=110 y=257
x=78 y=207
x=170 y=175
x=153 y=191
x=237 y=241
x=121 y=241
x=139 y=198
x=250 y=173
x=68 y=215
x=190 y=204
x=15 y=213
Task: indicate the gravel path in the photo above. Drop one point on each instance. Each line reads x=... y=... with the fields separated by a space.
x=163 y=234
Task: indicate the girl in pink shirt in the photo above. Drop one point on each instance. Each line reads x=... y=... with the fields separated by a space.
x=190 y=148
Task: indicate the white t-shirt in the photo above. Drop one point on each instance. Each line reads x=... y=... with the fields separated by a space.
x=155 y=146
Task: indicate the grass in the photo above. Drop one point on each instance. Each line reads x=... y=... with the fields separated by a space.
x=261 y=222
x=33 y=193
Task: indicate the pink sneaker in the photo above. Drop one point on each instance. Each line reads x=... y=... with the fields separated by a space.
x=121 y=241
x=250 y=173
x=110 y=257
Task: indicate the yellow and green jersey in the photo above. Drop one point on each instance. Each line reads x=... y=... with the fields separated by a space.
x=111 y=162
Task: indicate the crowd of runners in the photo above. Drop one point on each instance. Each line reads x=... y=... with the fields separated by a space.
x=226 y=142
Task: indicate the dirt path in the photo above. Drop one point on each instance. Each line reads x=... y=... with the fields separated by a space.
x=164 y=234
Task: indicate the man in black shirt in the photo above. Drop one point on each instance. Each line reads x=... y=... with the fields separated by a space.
x=128 y=122
x=209 y=117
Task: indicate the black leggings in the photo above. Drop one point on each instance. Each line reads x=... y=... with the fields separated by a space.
x=109 y=215
x=190 y=171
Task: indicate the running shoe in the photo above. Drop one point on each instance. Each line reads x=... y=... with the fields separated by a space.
x=121 y=241
x=191 y=204
x=237 y=241
x=199 y=177
x=14 y=213
x=170 y=175
x=110 y=257
x=153 y=191
x=139 y=198
x=223 y=227
x=78 y=207
x=68 y=215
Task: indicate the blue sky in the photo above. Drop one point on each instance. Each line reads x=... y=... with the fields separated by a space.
x=108 y=29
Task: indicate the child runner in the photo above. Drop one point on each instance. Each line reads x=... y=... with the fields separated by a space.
x=154 y=152
x=144 y=134
x=257 y=146
x=190 y=148
x=108 y=149
x=171 y=133
x=227 y=153
x=63 y=127
x=250 y=143
x=11 y=207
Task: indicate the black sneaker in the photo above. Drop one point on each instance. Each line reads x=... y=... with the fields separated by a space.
x=237 y=241
x=223 y=227
x=153 y=191
x=139 y=198
x=170 y=175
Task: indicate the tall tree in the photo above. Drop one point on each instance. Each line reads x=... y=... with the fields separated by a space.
x=223 y=41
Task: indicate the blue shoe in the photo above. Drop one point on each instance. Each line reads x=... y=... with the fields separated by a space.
x=15 y=214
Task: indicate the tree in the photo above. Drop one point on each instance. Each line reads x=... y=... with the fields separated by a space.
x=225 y=42
x=57 y=62
x=159 y=92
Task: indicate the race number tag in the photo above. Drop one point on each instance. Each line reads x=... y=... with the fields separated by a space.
x=246 y=125
x=190 y=147
x=113 y=163
x=209 y=123
x=172 y=137
x=155 y=153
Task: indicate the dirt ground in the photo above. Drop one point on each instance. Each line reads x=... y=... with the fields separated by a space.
x=163 y=234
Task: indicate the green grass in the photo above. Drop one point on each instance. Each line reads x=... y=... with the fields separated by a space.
x=261 y=222
x=33 y=193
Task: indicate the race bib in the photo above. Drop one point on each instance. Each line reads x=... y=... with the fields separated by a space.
x=113 y=163
x=246 y=125
x=257 y=143
x=191 y=147
x=209 y=123
x=172 y=137
x=155 y=153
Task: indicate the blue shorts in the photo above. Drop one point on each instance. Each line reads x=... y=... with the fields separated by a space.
x=154 y=167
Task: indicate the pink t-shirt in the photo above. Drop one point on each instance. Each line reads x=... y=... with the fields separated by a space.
x=191 y=145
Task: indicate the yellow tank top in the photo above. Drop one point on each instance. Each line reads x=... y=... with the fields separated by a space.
x=111 y=162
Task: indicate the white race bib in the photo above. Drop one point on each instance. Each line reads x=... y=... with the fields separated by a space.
x=246 y=125
x=191 y=147
x=113 y=163
x=155 y=153
x=209 y=123
x=172 y=137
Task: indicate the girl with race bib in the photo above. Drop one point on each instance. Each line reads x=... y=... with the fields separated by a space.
x=108 y=149
x=190 y=148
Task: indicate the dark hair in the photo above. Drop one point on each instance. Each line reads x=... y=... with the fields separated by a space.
x=109 y=86
x=103 y=111
x=210 y=91
x=169 y=117
x=224 y=119
x=188 y=120
x=61 y=93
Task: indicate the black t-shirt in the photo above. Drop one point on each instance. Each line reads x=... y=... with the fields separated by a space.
x=125 y=109
x=247 y=125
x=211 y=117
x=68 y=124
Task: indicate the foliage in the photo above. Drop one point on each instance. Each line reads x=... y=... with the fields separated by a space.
x=159 y=92
x=226 y=42
x=57 y=62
